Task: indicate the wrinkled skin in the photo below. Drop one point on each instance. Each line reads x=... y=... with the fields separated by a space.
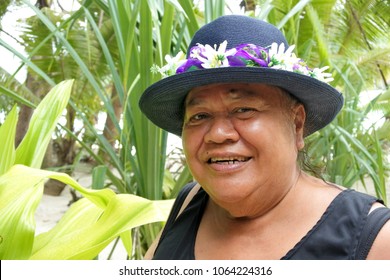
x=241 y=142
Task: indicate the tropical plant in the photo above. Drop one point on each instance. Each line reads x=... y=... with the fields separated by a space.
x=137 y=164
x=88 y=226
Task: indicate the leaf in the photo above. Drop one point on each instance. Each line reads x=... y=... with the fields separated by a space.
x=98 y=177
x=7 y=134
x=126 y=238
x=27 y=61
x=32 y=149
x=20 y=194
x=86 y=228
x=81 y=214
x=296 y=9
x=20 y=99
x=87 y=240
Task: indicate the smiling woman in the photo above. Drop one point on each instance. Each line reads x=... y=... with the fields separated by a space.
x=222 y=125
x=243 y=110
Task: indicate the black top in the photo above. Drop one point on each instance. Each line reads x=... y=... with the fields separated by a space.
x=344 y=232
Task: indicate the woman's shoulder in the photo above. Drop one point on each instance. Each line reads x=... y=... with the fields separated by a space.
x=380 y=249
x=375 y=237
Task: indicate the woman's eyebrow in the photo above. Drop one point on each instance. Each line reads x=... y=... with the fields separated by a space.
x=233 y=93
x=193 y=101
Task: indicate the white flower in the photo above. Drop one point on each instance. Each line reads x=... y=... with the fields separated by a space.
x=281 y=59
x=319 y=74
x=213 y=57
x=276 y=49
x=206 y=56
x=197 y=51
x=172 y=64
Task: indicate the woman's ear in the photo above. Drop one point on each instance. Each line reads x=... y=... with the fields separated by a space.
x=299 y=122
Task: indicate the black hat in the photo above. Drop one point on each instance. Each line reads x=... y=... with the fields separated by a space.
x=163 y=101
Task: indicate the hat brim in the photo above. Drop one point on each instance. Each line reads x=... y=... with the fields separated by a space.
x=163 y=102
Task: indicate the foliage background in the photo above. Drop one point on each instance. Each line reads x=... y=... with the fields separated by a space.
x=108 y=48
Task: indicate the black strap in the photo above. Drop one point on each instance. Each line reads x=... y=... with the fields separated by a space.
x=375 y=221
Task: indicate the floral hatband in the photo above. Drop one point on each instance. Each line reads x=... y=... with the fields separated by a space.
x=244 y=55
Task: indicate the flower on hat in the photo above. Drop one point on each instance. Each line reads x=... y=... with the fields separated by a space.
x=212 y=57
x=319 y=74
x=170 y=68
x=243 y=55
x=285 y=60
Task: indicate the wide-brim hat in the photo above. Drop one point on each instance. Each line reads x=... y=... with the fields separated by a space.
x=163 y=102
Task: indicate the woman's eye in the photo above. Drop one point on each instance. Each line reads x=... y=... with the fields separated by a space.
x=244 y=111
x=197 y=118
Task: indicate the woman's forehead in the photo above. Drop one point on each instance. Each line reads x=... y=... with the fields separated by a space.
x=234 y=92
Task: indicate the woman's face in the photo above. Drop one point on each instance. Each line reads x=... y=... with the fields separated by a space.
x=242 y=140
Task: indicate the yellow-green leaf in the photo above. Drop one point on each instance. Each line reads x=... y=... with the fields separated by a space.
x=126 y=239
x=32 y=149
x=83 y=232
x=7 y=136
x=123 y=213
x=19 y=198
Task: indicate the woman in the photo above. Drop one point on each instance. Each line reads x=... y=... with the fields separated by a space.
x=243 y=104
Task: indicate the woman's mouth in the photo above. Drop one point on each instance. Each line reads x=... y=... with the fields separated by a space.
x=227 y=160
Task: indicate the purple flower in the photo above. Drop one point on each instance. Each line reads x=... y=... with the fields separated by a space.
x=244 y=55
x=197 y=51
x=253 y=55
x=296 y=67
x=236 y=61
x=188 y=65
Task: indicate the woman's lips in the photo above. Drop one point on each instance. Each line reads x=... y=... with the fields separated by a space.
x=227 y=163
x=227 y=160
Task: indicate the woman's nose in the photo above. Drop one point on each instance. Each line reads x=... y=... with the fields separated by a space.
x=221 y=130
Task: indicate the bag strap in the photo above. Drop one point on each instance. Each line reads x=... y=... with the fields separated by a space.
x=194 y=190
x=181 y=202
x=375 y=221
